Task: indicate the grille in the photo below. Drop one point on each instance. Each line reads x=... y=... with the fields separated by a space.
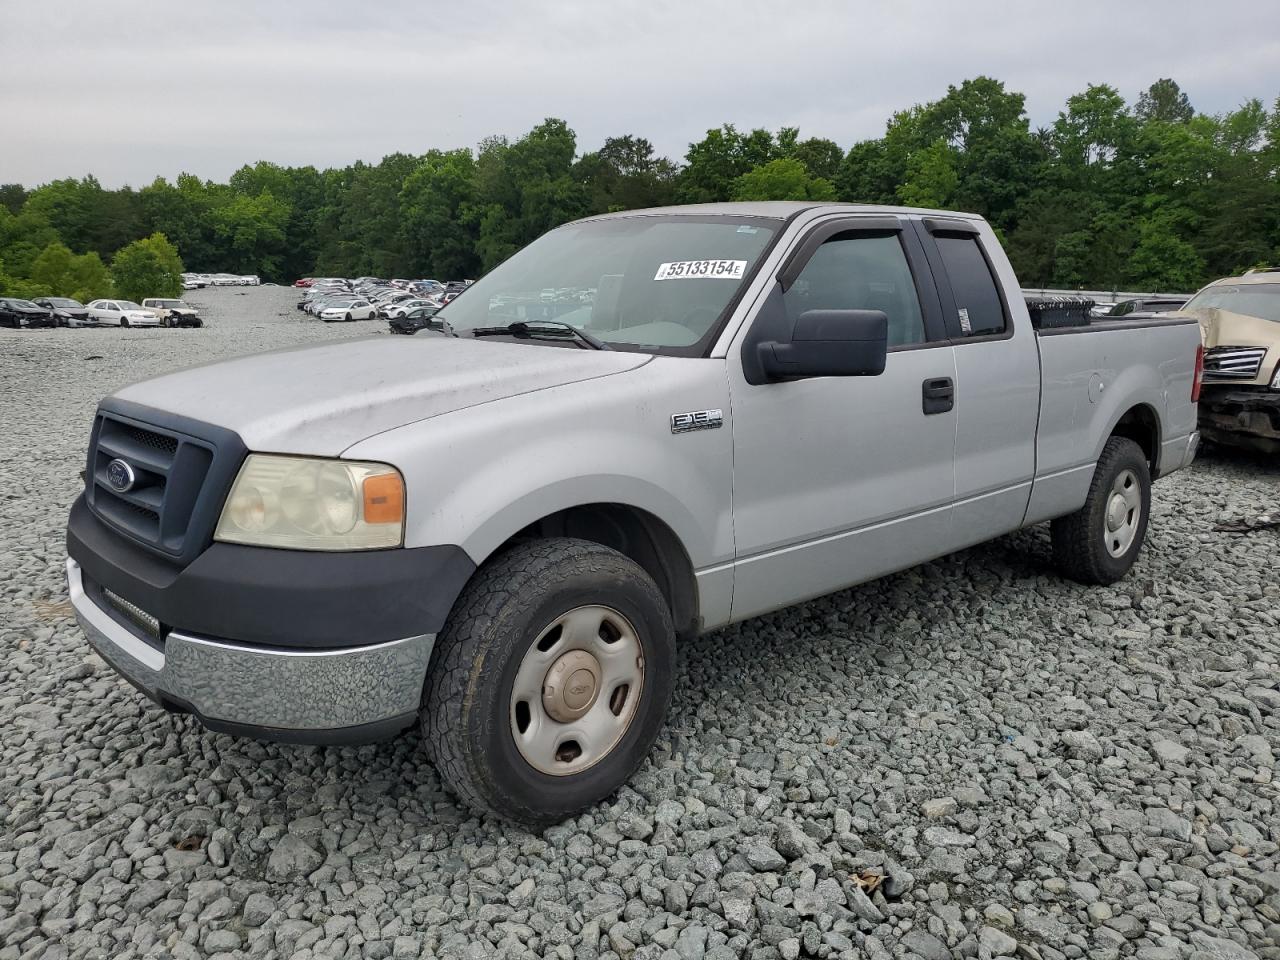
x=148 y=624
x=154 y=441
x=169 y=471
x=1233 y=363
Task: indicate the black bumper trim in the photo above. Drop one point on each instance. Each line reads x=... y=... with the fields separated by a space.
x=336 y=737
x=278 y=598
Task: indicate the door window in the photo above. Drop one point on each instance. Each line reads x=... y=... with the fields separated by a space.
x=861 y=271
x=979 y=310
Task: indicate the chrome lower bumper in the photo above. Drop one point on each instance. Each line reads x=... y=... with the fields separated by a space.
x=273 y=692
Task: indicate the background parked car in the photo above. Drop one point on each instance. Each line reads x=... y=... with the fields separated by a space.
x=1146 y=307
x=174 y=313
x=403 y=307
x=122 y=313
x=349 y=310
x=411 y=321
x=70 y=313
x=23 y=313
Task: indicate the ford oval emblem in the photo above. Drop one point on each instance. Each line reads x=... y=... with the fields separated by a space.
x=121 y=476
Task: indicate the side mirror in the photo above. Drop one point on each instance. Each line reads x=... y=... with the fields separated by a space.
x=829 y=343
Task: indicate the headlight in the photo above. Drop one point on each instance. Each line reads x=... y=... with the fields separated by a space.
x=1275 y=378
x=302 y=503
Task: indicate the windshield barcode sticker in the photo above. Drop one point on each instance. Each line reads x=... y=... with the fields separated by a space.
x=701 y=270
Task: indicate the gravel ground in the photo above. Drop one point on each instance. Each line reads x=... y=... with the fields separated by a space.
x=1036 y=768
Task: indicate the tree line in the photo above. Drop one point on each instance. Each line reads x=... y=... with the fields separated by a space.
x=1152 y=195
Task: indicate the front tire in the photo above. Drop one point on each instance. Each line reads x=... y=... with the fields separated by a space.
x=348 y=318
x=124 y=321
x=1099 y=543
x=550 y=681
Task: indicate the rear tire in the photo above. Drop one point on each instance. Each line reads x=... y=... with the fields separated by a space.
x=1099 y=543
x=525 y=615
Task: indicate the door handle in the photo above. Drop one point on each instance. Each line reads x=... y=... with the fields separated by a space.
x=937 y=395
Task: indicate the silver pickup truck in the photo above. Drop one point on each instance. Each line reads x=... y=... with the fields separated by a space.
x=643 y=426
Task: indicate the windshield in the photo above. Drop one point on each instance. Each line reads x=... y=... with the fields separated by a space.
x=658 y=284
x=170 y=304
x=64 y=302
x=1251 y=299
x=127 y=305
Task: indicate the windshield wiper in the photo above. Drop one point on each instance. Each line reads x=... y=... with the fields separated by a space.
x=525 y=328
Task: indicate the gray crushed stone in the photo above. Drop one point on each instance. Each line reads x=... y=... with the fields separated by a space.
x=1037 y=768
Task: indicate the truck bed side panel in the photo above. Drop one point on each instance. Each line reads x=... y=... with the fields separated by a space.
x=1092 y=376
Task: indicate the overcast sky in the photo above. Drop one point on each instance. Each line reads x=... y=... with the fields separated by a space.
x=130 y=89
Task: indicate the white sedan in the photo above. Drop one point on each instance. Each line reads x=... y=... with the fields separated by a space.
x=121 y=313
x=349 y=310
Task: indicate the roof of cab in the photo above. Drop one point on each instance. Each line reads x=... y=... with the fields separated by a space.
x=777 y=209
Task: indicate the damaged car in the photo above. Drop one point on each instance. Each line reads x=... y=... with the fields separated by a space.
x=1240 y=321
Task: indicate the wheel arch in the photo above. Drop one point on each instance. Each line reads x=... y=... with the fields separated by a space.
x=635 y=533
x=1141 y=424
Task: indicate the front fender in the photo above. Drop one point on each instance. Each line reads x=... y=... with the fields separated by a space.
x=477 y=476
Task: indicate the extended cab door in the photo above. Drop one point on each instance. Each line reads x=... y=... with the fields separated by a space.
x=837 y=480
x=997 y=388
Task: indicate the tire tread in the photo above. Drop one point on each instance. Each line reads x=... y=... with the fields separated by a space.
x=458 y=660
x=1077 y=548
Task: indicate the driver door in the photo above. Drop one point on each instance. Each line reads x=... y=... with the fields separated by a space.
x=838 y=480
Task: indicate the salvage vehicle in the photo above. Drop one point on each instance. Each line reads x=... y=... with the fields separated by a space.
x=121 y=313
x=502 y=533
x=69 y=313
x=174 y=313
x=1240 y=319
x=23 y=314
x=411 y=321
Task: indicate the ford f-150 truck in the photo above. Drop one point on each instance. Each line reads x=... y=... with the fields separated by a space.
x=643 y=426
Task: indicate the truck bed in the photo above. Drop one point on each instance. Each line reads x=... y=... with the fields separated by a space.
x=1088 y=374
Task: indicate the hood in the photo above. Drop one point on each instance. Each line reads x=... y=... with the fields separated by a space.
x=1223 y=328
x=320 y=400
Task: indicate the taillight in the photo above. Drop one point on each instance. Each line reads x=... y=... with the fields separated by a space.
x=1198 y=376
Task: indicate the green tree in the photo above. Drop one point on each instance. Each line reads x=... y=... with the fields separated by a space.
x=1164 y=101
x=147 y=268
x=782 y=179
x=715 y=162
x=250 y=232
x=90 y=279
x=821 y=157
x=931 y=177
x=52 y=269
x=437 y=205
x=12 y=196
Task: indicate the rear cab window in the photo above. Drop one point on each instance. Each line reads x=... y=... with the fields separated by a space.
x=973 y=301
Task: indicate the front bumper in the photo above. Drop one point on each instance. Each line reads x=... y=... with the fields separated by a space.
x=1242 y=417
x=350 y=695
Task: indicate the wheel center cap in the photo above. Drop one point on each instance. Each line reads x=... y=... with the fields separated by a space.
x=571 y=685
x=1117 y=511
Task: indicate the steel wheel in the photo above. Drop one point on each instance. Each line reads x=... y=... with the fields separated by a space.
x=1123 y=513
x=577 y=690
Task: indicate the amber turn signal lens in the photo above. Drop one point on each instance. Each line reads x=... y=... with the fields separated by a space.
x=384 y=498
